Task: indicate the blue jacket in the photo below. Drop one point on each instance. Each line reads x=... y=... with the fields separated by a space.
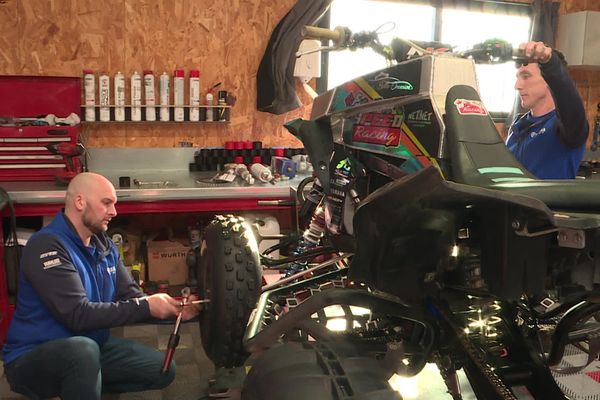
x=551 y=146
x=67 y=289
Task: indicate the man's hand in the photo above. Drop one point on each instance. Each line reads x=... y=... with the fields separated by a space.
x=191 y=310
x=162 y=305
x=536 y=51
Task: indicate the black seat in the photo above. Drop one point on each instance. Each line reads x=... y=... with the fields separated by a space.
x=479 y=157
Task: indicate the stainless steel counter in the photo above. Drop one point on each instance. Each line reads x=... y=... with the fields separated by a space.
x=181 y=186
x=152 y=165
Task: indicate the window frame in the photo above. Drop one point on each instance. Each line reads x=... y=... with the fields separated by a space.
x=468 y=5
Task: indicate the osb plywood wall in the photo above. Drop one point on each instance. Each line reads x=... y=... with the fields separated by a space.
x=586 y=79
x=224 y=39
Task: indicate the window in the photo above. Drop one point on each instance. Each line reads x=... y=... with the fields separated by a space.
x=418 y=22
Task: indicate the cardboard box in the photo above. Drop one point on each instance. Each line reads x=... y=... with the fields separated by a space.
x=166 y=262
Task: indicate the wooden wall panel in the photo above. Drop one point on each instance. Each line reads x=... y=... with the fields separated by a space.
x=224 y=39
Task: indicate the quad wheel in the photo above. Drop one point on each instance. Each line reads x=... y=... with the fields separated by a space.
x=316 y=370
x=229 y=274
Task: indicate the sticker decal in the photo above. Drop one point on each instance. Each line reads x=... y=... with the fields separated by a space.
x=470 y=107
x=52 y=263
x=384 y=81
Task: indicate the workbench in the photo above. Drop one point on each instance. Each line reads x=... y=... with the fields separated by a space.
x=185 y=192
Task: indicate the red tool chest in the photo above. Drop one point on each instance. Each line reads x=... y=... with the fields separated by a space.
x=23 y=152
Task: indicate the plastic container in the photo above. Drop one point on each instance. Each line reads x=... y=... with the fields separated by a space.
x=209 y=102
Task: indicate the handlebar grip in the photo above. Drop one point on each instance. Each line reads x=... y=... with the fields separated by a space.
x=314 y=32
x=337 y=35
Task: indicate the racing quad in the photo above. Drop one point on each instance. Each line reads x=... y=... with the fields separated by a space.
x=436 y=246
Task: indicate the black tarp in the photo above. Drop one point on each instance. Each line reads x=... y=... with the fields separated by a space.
x=276 y=89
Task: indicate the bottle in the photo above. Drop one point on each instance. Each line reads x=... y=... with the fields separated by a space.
x=178 y=94
x=209 y=104
x=149 y=95
x=104 y=97
x=136 y=97
x=89 y=87
x=119 y=97
x=164 y=97
x=194 y=95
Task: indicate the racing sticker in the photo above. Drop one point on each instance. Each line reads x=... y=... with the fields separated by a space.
x=470 y=107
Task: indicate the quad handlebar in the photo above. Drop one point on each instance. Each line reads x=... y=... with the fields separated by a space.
x=488 y=52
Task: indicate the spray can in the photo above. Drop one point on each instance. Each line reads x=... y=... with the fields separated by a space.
x=136 y=97
x=104 y=97
x=209 y=105
x=89 y=87
x=119 y=97
x=164 y=97
x=194 y=95
x=149 y=95
x=178 y=94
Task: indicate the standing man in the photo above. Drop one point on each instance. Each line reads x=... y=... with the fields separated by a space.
x=549 y=140
x=73 y=287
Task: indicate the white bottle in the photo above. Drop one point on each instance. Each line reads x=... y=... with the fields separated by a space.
x=119 y=97
x=178 y=94
x=149 y=95
x=136 y=97
x=104 y=97
x=209 y=108
x=194 y=95
x=164 y=97
x=89 y=87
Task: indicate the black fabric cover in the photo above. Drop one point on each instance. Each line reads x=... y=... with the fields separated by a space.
x=276 y=91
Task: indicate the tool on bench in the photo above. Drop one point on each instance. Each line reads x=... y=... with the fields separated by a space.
x=68 y=151
x=174 y=337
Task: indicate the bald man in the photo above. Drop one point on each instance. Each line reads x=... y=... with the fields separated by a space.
x=73 y=287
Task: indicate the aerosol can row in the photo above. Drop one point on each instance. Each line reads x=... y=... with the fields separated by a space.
x=135 y=98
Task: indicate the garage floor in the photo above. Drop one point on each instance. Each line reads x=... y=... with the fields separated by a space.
x=194 y=369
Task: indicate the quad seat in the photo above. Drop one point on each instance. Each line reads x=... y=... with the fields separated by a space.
x=479 y=157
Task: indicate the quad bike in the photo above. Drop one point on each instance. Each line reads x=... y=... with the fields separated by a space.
x=440 y=247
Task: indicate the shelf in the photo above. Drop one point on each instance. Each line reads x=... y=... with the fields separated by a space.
x=221 y=114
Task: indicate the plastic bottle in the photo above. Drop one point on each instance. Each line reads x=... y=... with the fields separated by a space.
x=164 y=97
x=178 y=94
x=119 y=97
x=149 y=95
x=104 y=97
x=194 y=95
x=89 y=87
x=136 y=97
x=209 y=103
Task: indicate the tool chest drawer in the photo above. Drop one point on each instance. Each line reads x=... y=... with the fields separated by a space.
x=26 y=140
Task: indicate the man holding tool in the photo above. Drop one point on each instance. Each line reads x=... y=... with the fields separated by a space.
x=73 y=287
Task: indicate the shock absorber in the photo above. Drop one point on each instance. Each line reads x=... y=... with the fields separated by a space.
x=310 y=239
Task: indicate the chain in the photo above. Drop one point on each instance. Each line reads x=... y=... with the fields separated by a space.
x=501 y=389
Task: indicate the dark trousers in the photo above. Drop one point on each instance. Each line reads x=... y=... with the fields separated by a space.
x=77 y=368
